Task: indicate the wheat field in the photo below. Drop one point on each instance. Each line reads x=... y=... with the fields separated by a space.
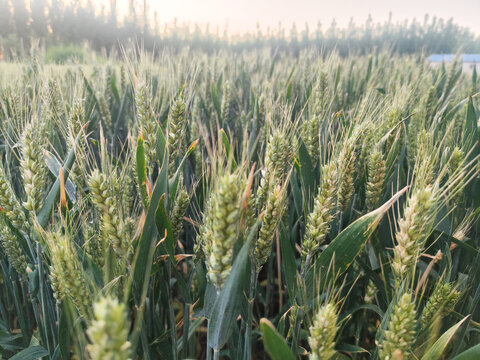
x=239 y=206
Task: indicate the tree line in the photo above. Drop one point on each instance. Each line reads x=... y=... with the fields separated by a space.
x=56 y=22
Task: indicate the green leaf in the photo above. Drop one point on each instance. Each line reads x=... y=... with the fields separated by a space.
x=209 y=300
x=141 y=296
x=173 y=182
x=142 y=171
x=288 y=261
x=471 y=354
x=52 y=196
x=160 y=146
x=194 y=325
x=470 y=136
x=93 y=102
x=296 y=192
x=340 y=356
x=274 y=343
x=225 y=141
x=289 y=84
x=437 y=349
x=165 y=227
x=350 y=348
x=289 y=90
x=369 y=307
x=64 y=335
x=31 y=353
x=9 y=342
x=341 y=252
x=113 y=87
x=57 y=355
x=54 y=165
x=228 y=148
x=338 y=71
x=307 y=172
x=272 y=65
x=117 y=124
x=149 y=233
x=216 y=101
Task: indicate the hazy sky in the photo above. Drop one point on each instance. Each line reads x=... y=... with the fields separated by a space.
x=243 y=15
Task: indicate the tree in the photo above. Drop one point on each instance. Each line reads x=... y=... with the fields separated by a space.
x=39 y=18
x=21 y=17
x=56 y=13
x=113 y=13
x=5 y=18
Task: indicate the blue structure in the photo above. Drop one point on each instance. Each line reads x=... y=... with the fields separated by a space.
x=466 y=58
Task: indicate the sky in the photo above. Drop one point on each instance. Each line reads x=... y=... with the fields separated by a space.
x=244 y=15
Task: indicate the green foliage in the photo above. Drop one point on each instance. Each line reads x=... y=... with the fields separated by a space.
x=275 y=345
x=239 y=206
x=63 y=54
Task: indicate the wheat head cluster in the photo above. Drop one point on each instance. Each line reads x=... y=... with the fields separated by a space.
x=239 y=206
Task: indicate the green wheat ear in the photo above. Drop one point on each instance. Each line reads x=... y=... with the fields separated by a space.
x=322 y=333
x=75 y=124
x=180 y=206
x=225 y=108
x=346 y=172
x=104 y=197
x=399 y=337
x=108 y=332
x=413 y=229
x=277 y=164
x=221 y=227
x=9 y=202
x=146 y=122
x=440 y=304
x=311 y=127
x=66 y=273
x=274 y=208
x=56 y=105
x=33 y=168
x=13 y=250
x=318 y=221
x=376 y=179
x=456 y=172
x=176 y=133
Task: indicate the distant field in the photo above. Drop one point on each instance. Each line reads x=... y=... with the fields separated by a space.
x=239 y=206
